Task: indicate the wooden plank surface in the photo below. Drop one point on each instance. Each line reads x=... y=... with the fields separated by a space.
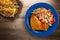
x=16 y=30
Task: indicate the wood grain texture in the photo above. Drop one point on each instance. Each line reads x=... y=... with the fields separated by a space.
x=16 y=30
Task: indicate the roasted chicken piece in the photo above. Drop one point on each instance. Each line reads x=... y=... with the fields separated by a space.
x=35 y=23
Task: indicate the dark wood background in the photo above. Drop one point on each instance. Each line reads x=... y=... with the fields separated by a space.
x=15 y=30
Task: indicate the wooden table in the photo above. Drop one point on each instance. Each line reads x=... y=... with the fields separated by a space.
x=16 y=30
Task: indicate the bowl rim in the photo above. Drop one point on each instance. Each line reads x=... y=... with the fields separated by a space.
x=26 y=24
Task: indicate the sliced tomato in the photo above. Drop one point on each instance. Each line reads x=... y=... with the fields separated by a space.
x=52 y=20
